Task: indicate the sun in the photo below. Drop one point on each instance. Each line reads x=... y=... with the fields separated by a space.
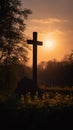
x=49 y=44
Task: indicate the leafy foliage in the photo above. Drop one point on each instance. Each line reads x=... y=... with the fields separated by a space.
x=12 y=26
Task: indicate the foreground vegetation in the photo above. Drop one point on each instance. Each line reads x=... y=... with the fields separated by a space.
x=37 y=111
x=46 y=100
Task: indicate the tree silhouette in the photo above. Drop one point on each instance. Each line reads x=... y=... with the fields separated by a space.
x=13 y=45
x=69 y=57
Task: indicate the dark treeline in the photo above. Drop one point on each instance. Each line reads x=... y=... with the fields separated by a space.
x=54 y=73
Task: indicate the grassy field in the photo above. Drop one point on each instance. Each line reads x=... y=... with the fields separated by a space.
x=34 y=112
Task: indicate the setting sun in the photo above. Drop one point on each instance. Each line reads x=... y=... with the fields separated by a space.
x=49 y=44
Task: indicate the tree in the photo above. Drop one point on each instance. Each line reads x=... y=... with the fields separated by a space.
x=13 y=45
x=69 y=57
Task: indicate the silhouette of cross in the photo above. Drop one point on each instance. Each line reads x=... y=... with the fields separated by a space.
x=35 y=43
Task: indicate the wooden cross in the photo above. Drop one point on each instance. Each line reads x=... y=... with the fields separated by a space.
x=35 y=43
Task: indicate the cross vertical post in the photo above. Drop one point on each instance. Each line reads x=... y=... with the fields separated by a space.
x=35 y=43
x=35 y=58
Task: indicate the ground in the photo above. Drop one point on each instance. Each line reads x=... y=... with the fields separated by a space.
x=35 y=119
x=52 y=111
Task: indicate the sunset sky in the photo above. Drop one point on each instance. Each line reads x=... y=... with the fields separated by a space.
x=53 y=20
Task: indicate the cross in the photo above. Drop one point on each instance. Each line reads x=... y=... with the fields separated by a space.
x=35 y=43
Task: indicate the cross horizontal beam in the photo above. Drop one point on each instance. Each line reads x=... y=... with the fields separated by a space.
x=34 y=42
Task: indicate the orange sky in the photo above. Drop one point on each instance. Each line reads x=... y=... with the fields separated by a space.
x=53 y=20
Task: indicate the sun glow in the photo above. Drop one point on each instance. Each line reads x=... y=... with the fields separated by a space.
x=49 y=44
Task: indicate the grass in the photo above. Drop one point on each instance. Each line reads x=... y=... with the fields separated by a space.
x=46 y=100
x=34 y=112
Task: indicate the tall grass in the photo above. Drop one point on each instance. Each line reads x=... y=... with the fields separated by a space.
x=47 y=100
